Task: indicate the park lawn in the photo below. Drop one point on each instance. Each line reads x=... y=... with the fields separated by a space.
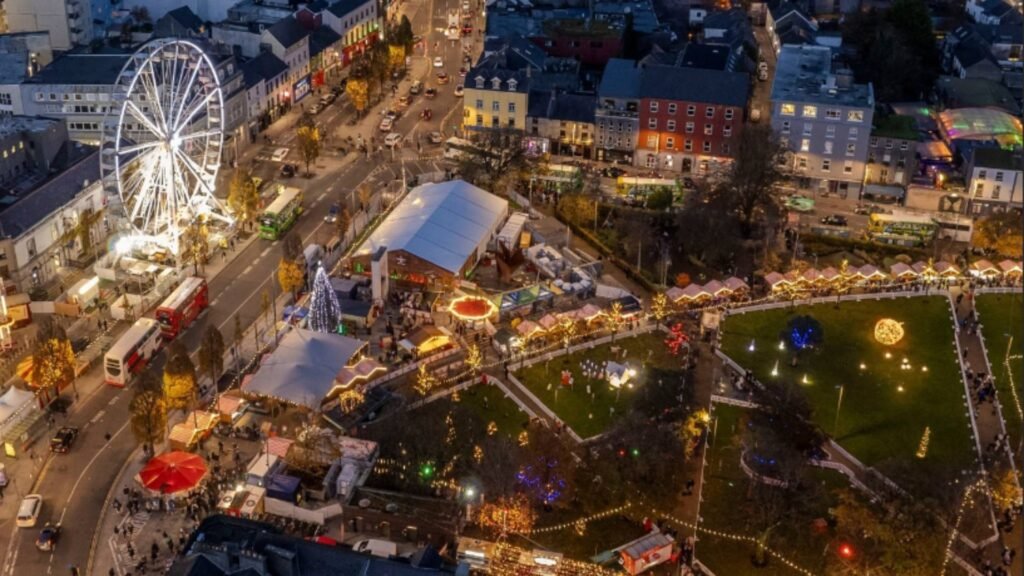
x=1001 y=315
x=723 y=509
x=599 y=535
x=491 y=404
x=589 y=416
x=877 y=421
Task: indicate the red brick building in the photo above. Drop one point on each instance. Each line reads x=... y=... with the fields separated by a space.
x=592 y=42
x=690 y=118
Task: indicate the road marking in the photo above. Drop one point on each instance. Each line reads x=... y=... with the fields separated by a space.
x=112 y=400
x=215 y=300
x=99 y=452
x=97 y=416
x=247 y=269
x=263 y=253
x=323 y=195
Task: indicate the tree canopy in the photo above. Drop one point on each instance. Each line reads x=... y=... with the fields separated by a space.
x=179 y=378
x=1002 y=233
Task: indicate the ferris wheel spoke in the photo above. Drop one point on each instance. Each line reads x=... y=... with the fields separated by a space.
x=183 y=98
x=200 y=134
x=139 y=115
x=135 y=148
x=196 y=171
x=195 y=108
x=152 y=92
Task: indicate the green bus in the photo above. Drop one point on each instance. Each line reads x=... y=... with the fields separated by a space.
x=281 y=214
x=636 y=189
x=557 y=178
x=902 y=229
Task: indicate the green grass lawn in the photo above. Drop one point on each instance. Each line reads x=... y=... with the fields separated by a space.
x=591 y=415
x=1001 y=315
x=493 y=406
x=885 y=409
x=723 y=508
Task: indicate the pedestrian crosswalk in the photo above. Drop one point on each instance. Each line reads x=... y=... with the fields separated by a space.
x=128 y=530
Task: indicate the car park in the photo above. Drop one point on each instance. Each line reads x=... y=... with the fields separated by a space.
x=28 y=511
x=436 y=137
x=460 y=91
x=393 y=139
x=279 y=154
x=386 y=124
x=288 y=170
x=47 y=539
x=834 y=220
x=438 y=62
x=63 y=440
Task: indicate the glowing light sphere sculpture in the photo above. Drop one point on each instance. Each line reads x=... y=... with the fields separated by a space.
x=162 y=141
x=888 y=331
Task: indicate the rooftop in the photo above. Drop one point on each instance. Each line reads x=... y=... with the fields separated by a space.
x=18 y=124
x=976 y=92
x=322 y=38
x=981 y=124
x=997 y=158
x=561 y=106
x=75 y=68
x=706 y=56
x=804 y=74
x=645 y=19
x=895 y=126
x=621 y=79
x=440 y=223
x=186 y=18
x=341 y=8
x=581 y=27
x=31 y=209
x=14 y=68
x=266 y=66
x=694 y=85
x=288 y=31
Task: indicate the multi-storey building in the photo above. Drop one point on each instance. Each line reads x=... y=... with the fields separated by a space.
x=357 y=22
x=289 y=41
x=495 y=98
x=562 y=123
x=824 y=118
x=267 y=90
x=994 y=180
x=617 y=115
x=690 y=119
x=892 y=157
x=70 y=22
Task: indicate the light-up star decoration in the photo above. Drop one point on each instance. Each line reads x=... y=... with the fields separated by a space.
x=888 y=331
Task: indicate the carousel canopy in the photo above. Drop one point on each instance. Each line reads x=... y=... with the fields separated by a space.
x=173 y=472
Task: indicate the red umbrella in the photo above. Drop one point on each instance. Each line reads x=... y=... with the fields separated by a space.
x=173 y=472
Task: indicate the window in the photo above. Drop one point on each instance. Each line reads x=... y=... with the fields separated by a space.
x=688 y=145
x=982 y=174
x=832 y=114
x=671 y=126
x=511 y=107
x=979 y=189
x=725 y=148
x=810 y=112
x=784 y=142
x=727 y=131
x=495 y=83
x=848 y=167
x=874 y=142
x=652 y=141
x=495 y=122
x=689 y=127
x=652 y=161
x=709 y=112
x=709 y=129
x=808 y=128
x=785 y=127
x=495 y=106
x=801 y=162
x=728 y=113
x=706 y=146
x=479 y=82
x=654 y=106
x=826 y=165
x=479 y=104
x=512 y=85
x=995 y=191
x=691 y=110
x=671 y=107
x=904 y=145
x=511 y=122
x=805 y=145
x=851 y=149
x=670 y=143
x=855 y=116
x=883 y=174
x=788 y=110
x=999 y=176
x=652 y=123
x=828 y=148
x=830 y=131
x=888 y=144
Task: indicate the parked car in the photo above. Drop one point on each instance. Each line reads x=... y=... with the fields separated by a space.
x=328 y=99
x=279 y=154
x=436 y=137
x=386 y=124
x=63 y=440
x=316 y=108
x=416 y=88
x=393 y=139
x=762 y=75
x=438 y=62
x=337 y=90
x=430 y=92
x=288 y=170
x=28 y=511
x=47 y=539
x=612 y=172
x=834 y=220
x=332 y=213
x=459 y=91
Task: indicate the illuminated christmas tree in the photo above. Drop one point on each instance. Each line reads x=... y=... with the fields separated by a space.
x=324 y=310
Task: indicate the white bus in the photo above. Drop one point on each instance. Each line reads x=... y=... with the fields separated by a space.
x=131 y=352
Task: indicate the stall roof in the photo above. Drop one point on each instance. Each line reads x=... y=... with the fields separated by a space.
x=441 y=223
x=302 y=368
x=12 y=401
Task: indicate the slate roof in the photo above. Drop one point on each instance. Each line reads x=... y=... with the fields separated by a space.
x=37 y=205
x=695 y=85
x=343 y=8
x=794 y=31
x=440 y=223
x=78 y=68
x=186 y=18
x=724 y=19
x=13 y=67
x=321 y=39
x=972 y=50
x=288 y=31
x=494 y=66
x=996 y=8
x=621 y=79
x=996 y=158
x=562 y=106
x=266 y=66
x=706 y=56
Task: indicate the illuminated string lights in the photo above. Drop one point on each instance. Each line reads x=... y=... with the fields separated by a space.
x=888 y=331
x=922 y=447
x=968 y=500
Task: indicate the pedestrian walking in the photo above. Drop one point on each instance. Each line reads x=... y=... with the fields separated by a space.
x=131 y=552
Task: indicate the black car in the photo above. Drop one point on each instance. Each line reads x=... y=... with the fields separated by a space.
x=48 y=537
x=288 y=170
x=834 y=220
x=612 y=172
x=63 y=439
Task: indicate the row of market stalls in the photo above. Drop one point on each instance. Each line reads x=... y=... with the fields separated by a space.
x=714 y=289
x=556 y=323
x=830 y=277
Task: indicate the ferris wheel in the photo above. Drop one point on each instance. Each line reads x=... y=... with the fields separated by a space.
x=162 y=141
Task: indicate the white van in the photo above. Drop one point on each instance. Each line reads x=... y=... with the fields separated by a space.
x=379 y=548
x=28 y=512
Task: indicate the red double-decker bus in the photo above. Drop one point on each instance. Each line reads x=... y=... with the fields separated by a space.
x=182 y=306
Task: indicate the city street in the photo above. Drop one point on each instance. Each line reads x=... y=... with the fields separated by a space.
x=75 y=486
